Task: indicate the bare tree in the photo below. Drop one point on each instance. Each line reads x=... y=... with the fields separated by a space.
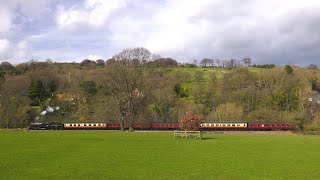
x=205 y=62
x=313 y=67
x=247 y=61
x=218 y=61
x=126 y=81
x=195 y=61
x=211 y=62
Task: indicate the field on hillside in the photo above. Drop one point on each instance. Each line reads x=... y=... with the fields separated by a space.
x=146 y=155
x=187 y=74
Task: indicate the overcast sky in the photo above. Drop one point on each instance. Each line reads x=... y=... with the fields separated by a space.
x=268 y=31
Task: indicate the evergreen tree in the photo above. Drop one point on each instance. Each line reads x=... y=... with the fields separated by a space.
x=37 y=92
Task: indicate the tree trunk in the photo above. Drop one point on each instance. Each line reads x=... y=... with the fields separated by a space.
x=122 y=122
x=131 y=129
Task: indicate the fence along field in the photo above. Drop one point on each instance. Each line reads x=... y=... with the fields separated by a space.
x=141 y=155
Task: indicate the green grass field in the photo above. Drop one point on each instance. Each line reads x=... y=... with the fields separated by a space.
x=140 y=155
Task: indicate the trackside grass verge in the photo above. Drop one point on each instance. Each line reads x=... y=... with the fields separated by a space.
x=146 y=155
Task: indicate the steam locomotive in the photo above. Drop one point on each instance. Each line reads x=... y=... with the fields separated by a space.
x=207 y=126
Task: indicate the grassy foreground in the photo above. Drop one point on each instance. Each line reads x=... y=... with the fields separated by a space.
x=123 y=155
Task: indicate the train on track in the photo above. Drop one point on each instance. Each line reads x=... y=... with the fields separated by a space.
x=207 y=126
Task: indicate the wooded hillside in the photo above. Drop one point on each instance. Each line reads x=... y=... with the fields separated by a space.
x=138 y=87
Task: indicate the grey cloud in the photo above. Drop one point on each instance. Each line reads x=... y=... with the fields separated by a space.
x=267 y=31
x=292 y=38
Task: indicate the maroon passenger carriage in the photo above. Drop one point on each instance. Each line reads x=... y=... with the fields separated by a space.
x=165 y=126
x=226 y=126
x=270 y=126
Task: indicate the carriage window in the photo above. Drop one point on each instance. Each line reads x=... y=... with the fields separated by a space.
x=84 y=125
x=89 y=124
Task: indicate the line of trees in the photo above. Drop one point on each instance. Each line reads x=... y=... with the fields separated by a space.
x=232 y=63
